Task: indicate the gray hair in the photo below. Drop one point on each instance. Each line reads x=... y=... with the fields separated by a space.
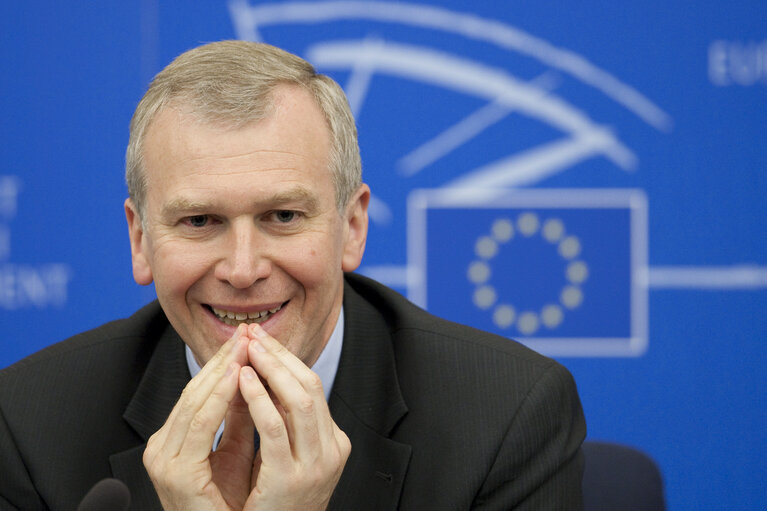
x=231 y=83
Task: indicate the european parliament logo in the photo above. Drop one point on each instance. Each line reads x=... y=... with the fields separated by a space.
x=495 y=109
x=560 y=270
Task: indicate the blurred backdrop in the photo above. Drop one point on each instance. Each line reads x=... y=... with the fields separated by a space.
x=588 y=178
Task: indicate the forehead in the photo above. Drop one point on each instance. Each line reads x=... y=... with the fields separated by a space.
x=292 y=141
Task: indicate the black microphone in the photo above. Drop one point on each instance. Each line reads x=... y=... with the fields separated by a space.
x=106 y=495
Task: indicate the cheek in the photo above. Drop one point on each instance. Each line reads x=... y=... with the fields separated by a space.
x=312 y=267
x=178 y=267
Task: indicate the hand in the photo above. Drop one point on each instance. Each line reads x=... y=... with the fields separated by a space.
x=302 y=452
x=178 y=458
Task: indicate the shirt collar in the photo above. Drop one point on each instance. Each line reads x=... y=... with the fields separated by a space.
x=326 y=365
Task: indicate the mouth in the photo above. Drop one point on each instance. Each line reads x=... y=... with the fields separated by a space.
x=235 y=318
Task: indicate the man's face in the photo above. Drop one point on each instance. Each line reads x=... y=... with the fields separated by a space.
x=244 y=224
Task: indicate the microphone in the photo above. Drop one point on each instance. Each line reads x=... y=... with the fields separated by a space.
x=106 y=495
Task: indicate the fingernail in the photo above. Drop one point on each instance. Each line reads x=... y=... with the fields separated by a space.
x=258 y=346
x=248 y=373
x=229 y=369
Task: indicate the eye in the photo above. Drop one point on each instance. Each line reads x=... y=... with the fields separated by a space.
x=285 y=216
x=197 y=220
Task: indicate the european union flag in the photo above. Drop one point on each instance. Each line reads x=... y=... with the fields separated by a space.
x=560 y=270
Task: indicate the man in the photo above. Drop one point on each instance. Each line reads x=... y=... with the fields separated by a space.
x=310 y=388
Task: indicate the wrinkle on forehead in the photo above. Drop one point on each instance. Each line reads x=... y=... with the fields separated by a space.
x=228 y=155
x=179 y=151
x=289 y=146
x=259 y=160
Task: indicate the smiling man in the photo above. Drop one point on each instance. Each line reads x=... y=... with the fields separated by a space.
x=266 y=376
x=245 y=222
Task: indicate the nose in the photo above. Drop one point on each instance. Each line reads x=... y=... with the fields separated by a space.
x=243 y=261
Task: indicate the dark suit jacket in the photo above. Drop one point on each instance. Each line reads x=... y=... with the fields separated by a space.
x=440 y=416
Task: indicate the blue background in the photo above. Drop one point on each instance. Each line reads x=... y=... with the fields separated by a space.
x=696 y=400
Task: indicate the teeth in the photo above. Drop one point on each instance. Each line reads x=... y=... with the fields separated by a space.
x=235 y=318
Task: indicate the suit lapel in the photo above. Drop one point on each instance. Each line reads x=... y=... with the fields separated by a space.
x=156 y=394
x=366 y=403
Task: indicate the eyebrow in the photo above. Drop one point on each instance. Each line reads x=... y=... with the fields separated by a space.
x=298 y=194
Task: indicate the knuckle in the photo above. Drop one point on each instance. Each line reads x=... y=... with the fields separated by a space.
x=313 y=383
x=153 y=464
x=148 y=458
x=219 y=393
x=185 y=393
x=152 y=449
x=274 y=428
x=190 y=388
x=274 y=364
x=279 y=349
x=198 y=423
x=254 y=392
x=306 y=405
x=261 y=393
x=186 y=405
x=345 y=445
x=153 y=440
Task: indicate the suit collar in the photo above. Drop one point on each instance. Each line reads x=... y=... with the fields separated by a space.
x=367 y=404
x=367 y=380
x=164 y=379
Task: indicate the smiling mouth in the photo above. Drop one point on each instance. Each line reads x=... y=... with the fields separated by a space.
x=237 y=318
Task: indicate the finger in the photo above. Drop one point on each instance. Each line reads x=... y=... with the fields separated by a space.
x=301 y=410
x=201 y=432
x=238 y=433
x=232 y=463
x=308 y=379
x=272 y=429
x=294 y=364
x=198 y=390
x=162 y=453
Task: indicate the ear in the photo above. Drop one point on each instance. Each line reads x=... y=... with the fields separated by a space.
x=142 y=271
x=355 y=228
